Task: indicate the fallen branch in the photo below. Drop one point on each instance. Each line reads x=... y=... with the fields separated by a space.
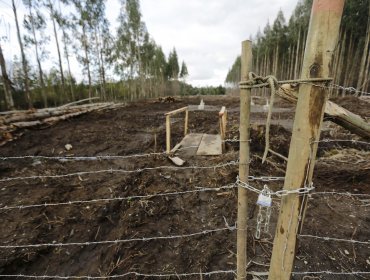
x=333 y=112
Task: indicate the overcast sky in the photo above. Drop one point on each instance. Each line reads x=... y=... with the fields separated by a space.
x=207 y=34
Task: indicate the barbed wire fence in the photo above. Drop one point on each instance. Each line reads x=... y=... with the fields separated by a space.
x=309 y=189
x=76 y=203
x=256 y=81
x=263 y=219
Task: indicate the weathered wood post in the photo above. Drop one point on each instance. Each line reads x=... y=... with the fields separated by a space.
x=168 y=134
x=245 y=100
x=186 y=121
x=321 y=41
x=168 y=125
x=222 y=115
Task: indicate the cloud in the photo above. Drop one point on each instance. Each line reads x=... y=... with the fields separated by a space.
x=208 y=34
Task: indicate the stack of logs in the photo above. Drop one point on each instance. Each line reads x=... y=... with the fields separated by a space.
x=11 y=121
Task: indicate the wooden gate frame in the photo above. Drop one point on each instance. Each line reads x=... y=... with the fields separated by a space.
x=222 y=120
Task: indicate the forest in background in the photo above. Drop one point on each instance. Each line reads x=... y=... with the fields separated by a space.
x=279 y=49
x=126 y=65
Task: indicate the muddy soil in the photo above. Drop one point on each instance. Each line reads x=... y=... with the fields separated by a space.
x=138 y=128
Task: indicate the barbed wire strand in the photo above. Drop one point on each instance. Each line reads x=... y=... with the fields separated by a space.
x=104 y=157
x=101 y=157
x=80 y=173
x=341 y=140
x=132 y=273
x=280 y=193
x=197 y=190
x=348 y=89
x=252 y=84
x=178 y=275
x=114 y=157
x=118 y=241
x=340 y=193
x=331 y=272
x=100 y=200
x=334 y=239
x=259 y=82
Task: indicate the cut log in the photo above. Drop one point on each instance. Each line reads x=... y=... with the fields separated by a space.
x=11 y=121
x=24 y=116
x=333 y=112
x=80 y=101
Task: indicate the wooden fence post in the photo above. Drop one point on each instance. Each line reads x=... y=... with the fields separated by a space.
x=222 y=115
x=186 y=122
x=168 y=134
x=168 y=125
x=321 y=41
x=245 y=99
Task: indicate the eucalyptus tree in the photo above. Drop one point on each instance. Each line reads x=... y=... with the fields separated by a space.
x=23 y=57
x=278 y=38
x=102 y=40
x=233 y=76
x=361 y=71
x=147 y=65
x=49 y=4
x=184 y=70
x=129 y=42
x=9 y=102
x=80 y=25
x=65 y=24
x=173 y=69
x=35 y=24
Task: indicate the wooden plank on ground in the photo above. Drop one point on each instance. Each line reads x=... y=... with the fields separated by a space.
x=176 y=160
x=190 y=143
x=211 y=145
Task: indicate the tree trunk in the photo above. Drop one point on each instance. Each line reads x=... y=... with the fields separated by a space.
x=104 y=87
x=338 y=70
x=296 y=74
x=41 y=74
x=98 y=49
x=7 y=83
x=365 y=87
x=87 y=61
x=303 y=46
x=58 y=49
x=24 y=62
x=291 y=73
x=362 y=78
x=276 y=61
x=337 y=57
x=354 y=67
x=349 y=62
x=66 y=53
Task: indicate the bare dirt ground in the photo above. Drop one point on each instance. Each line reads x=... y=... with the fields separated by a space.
x=139 y=128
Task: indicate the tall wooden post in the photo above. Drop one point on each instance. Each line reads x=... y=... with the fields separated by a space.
x=245 y=100
x=321 y=41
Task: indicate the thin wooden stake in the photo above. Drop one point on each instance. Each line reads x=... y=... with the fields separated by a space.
x=245 y=101
x=321 y=41
x=222 y=120
x=186 y=121
x=168 y=134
